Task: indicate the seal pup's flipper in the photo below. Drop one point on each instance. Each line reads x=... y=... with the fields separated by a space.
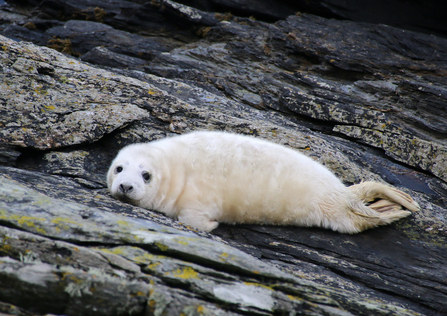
x=370 y=191
x=386 y=206
x=197 y=219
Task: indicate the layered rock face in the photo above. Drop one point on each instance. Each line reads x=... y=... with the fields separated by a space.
x=81 y=79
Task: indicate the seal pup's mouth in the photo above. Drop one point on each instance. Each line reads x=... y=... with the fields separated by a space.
x=124 y=198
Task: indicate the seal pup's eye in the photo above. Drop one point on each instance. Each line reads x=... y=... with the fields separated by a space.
x=146 y=176
x=119 y=169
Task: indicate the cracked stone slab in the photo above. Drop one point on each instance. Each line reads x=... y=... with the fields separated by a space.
x=57 y=103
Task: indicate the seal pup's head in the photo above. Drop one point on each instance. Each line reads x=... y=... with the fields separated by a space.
x=131 y=176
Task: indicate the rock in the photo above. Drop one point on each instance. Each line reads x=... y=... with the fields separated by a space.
x=146 y=17
x=81 y=253
x=397 y=117
x=104 y=57
x=83 y=36
x=62 y=117
x=366 y=101
x=421 y=16
x=191 y=14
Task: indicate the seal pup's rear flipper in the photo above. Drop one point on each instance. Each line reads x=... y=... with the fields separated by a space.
x=370 y=191
x=386 y=206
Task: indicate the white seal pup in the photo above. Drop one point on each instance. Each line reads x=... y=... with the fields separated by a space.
x=203 y=178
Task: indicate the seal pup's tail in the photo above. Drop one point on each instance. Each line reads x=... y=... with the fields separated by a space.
x=387 y=208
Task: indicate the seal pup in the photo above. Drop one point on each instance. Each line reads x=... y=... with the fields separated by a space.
x=203 y=178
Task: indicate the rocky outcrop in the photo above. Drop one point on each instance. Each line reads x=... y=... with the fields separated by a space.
x=368 y=101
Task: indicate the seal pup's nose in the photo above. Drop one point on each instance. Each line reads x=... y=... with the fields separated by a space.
x=126 y=188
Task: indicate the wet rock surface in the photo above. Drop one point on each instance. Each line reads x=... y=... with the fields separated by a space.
x=366 y=100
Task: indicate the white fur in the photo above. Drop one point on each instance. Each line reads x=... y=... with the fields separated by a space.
x=204 y=178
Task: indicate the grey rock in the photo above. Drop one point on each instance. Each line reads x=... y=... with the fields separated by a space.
x=61 y=117
x=102 y=263
x=104 y=57
x=365 y=100
x=83 y=36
